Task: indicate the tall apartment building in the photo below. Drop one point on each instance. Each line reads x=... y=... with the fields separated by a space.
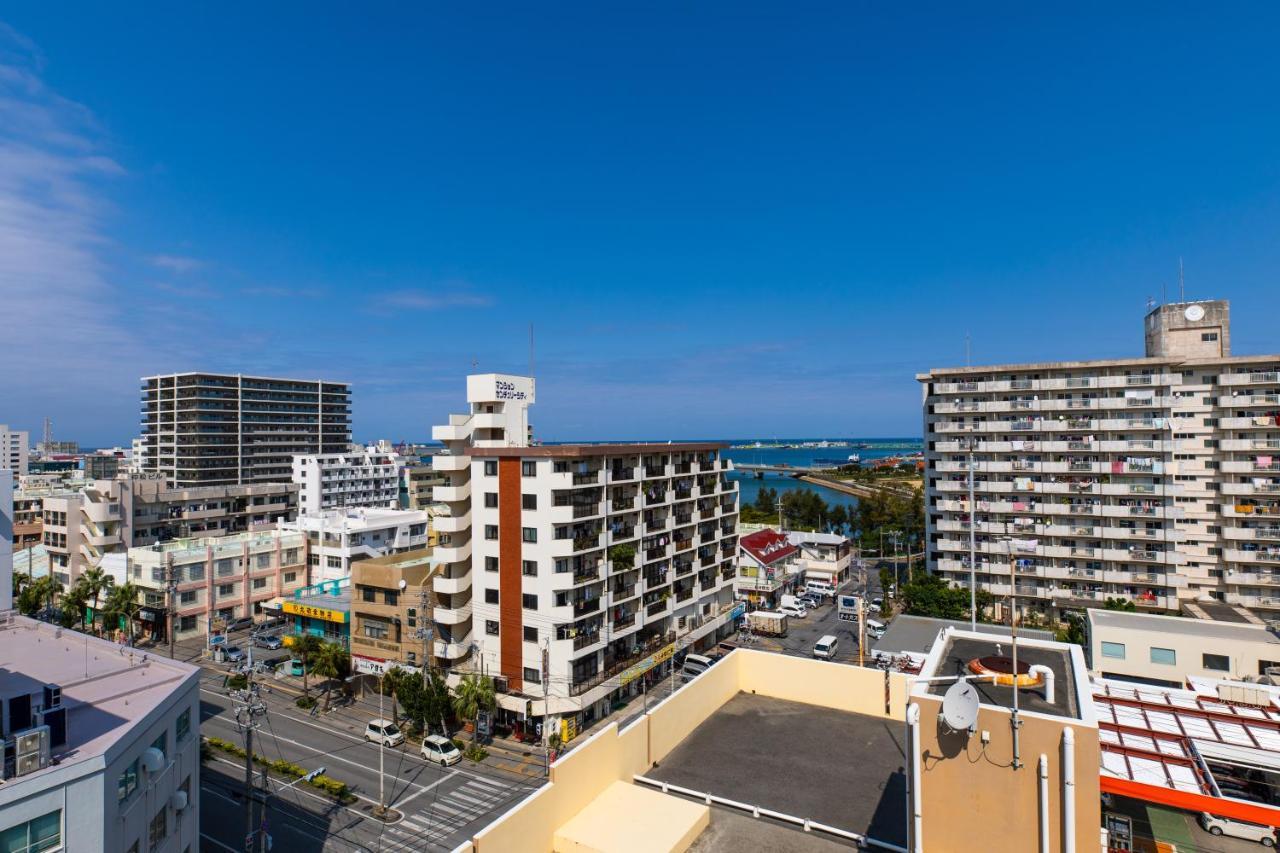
x=105 y=744
x=218 y=579
x=417 y=487
x=15 y=446
x=216 y=429
x=111 y=516
x=6 y=535
x=1154 y=479
x=604 y=557
x=357 y=478
x=340 y=538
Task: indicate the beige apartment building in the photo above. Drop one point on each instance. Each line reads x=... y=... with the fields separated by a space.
x=391 y=607
x=1154 y=479
x=110 y=516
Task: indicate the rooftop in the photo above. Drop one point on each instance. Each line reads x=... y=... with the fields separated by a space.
x=960 y=648
x=106 y=688
x=356 y=518
x=767 y=546
x=953 y=372
x=835 y=767
x=1180 y=625
x=917 y=633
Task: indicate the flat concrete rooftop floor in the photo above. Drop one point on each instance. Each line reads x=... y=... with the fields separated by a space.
x=960 y=650
x=844 y=770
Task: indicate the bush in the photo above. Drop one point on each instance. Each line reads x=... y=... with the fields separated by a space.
x=224 y=746
x=476 y=753
x=332 y=787
x=460 y=744
x=238 y=682
x=306 y=703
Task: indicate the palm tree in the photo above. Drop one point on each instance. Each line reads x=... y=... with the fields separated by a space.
x=20 y=582
x=96 y=582
x=305 y=646
x=332 y=661
x=37 y=595
x=391 y=685
x=74 y=602
x=122 y=602
x=473 y=694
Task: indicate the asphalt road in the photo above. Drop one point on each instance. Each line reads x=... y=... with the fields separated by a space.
x=802 y=634
x=441 y=807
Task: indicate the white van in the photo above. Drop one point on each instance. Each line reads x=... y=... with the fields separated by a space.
x=821 y=588
x=875 y=629
x=695 y=665
x=825 y=648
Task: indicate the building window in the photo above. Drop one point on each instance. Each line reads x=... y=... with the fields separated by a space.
x=1167 y=657
x=490 y=564
x=1209 y=336
x=529 y=601
x=187 y=623
x=188 y=597
x=333 y=562
x=1113 y=650
x=529 y=468
x=529 y=568
x=1219 y=663
x=490 y=596
x=491 y=500
x=375 y=630
x=369 y=594
x=491 y=467
x=528 y=501
x=529 y=534
x=530 y=634
x=259 y=583
x=128 y=781
x=161 y=743
x=225 y=590
x=159 y=827
x=390 y=597
x=290 y=577
x=532 y=676
x=491 y=627
x=183 y=726
x=40 y=833
x=491 y=531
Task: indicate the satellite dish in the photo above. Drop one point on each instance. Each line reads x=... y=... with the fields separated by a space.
x=403 y=583
x=1194 y=313
x=960 y=706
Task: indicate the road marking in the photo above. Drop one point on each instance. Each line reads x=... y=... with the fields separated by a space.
x=210 y=838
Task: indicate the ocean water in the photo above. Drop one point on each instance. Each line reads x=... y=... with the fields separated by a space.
x=800 y=457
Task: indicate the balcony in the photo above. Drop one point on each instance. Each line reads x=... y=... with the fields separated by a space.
x=444 y=585
x=621 y=475
x=451 y=615
x=585 y=607
x=624 y=621
x=451 y=463
x=451 y=524
x=657 y=607
x=451 y=494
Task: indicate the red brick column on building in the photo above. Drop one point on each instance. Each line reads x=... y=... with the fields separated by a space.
x=510 y=586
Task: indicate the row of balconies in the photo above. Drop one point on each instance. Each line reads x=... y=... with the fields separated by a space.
x=1059 y=383
x=1235 y=401
x=1269 y=554
x=1061 y=488
x=1084 y=552
x=1000 y=528
x=1042 y=425
x=1047 y=593
x=1072 y=405
x=1076 y=466
x=1253 y=377
x=1063 y=446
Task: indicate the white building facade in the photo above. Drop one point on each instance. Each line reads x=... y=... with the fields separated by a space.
x=576 y=571
x=15 y=445
x=365 y=478
x=1155 y=479
x=337 y=538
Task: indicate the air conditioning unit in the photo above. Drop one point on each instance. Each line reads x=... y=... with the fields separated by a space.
x=31 y=750
x=27 y=764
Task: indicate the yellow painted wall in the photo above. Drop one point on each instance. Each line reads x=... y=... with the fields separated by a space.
x=858 y=690
x=962 y=779
x=673 y=719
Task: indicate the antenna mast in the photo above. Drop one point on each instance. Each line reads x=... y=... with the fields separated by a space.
x=1182 y=284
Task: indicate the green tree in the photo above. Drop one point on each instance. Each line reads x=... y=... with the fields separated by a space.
x=839 y=518
x=423 y=703
x=1122 y=604
x=74 y=603
x=331 y=661
x=473 y=694
x=1073 y=632
x=96 y=582
x=38 y=595
x=766 y=502
x=930 y=595
x=122 y=604
x=392 y=684
x=304 y=648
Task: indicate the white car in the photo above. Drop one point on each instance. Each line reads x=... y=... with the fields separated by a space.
x=440 y=750
x=795 y=611
x=384 y=732
x=1214 y=825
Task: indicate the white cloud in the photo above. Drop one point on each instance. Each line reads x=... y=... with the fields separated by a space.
x=176 y=263
x=448 y=296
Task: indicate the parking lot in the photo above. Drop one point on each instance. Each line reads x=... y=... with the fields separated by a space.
x=823 y=620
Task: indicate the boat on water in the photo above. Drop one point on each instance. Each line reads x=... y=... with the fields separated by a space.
x=853 y=459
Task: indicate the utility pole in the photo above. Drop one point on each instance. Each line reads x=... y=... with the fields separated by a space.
x=248 y=709
x=171 y=582
x=973 y=548
x=546 y=673
x=425 y=633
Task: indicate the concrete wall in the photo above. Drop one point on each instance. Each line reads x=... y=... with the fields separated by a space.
x=961 y=778
x=858 y=690
x=1243 y=654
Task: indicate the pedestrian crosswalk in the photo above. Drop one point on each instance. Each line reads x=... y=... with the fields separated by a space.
x=451 y=809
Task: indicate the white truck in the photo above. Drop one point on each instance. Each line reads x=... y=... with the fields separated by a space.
x=767 y=623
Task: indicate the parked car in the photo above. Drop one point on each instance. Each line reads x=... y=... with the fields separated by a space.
x=795 y=611
x=877 y=602
x=875 y=628
x=826 y=647
x=267 y=641
x=440 y=750
x=822 y=589
x=810 y=600
x=383 y=731
x=1214 y=825
x=240 y=624
x=695 y=665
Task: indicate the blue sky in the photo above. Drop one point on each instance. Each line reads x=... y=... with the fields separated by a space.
x=723 y=219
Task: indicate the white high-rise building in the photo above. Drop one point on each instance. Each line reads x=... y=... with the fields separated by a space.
x=15 y=445
x=6 y=536
x=575 y=571
x=1155 y=480
x=368 y=477
x=340 y=537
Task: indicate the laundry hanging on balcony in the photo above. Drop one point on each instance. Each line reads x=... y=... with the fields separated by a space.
x=1026 y=546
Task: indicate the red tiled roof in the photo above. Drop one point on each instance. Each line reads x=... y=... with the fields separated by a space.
x=767 y=546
